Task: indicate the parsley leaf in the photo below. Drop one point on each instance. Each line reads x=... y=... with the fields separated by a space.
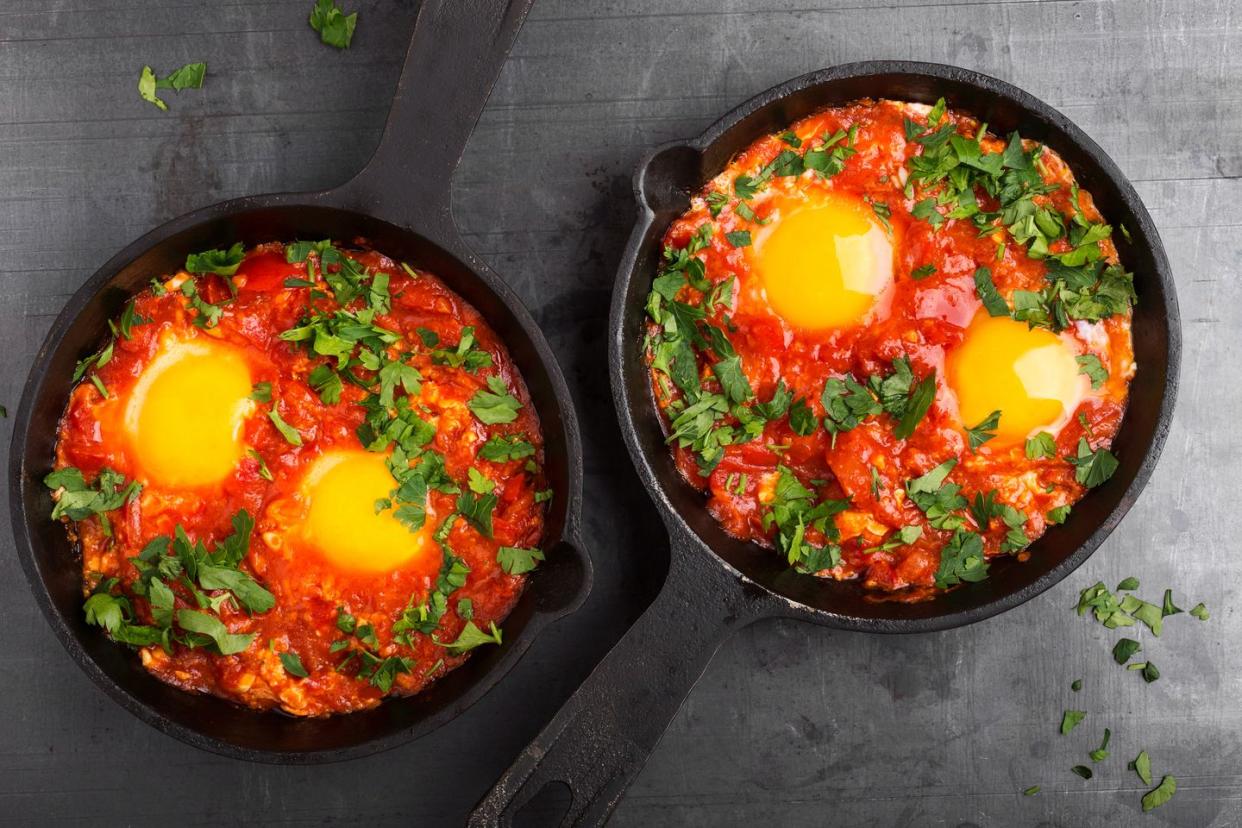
x=1091 y=468
x=802 y=419
x=1141 y=765
x=733 y=379
x=213 y=629
x=961 y=559
x=78 y=500
x=517 y=561
x=776 y=407
x=1090 y=365
x=470 y=637
x=1124 y=649
x=502 y=449
x=922 y=272
x=1101 y=753
x=939 y=500
x=189 y=76
x=219 y=262
x=477 y=510
x=1161 y=794
x=1070 y=720
x=1041 y=445
x=739 y=238
x=986 y=430
x=334 y=26
x=291 y=435
x=846 y=404
x=264 y=471
x=207 y=315
x=920 y=401
x=988 y=294
x=327 y=382
x=926 y=210
x=496 y=406
x=479 y=482
x=292 y=663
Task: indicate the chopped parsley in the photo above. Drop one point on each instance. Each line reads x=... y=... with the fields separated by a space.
x=794 y=508
x=962 y=559
x=292 y=663
x=1141 y=765
x=986 y=430
x=517 y=561
x=78 y=500
x=189 y=76
x=1090 y=365
x=470 y=637
x=1101 y=753
x=496 y=405
x=206 y=315
x=502 y=449
x=291 y=435
x=334 y=26
x=1161 y=794
x=1092 y=467
x=1124 y=648
x=988 y=294
x=220 y=262
x=1070 y=719
x=950 y=169
x=940 y=501
x=264 y=471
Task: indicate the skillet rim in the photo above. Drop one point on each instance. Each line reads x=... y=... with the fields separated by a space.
x=446 y=240
x=685 y=540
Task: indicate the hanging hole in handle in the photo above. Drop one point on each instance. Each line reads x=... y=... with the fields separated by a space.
x=547 y=807
x=669 y=177
x=565 y=578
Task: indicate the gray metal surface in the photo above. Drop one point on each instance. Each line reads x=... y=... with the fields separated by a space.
x=792 y=724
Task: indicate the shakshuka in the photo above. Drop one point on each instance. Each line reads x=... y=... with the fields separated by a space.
x=892 y=345
x=302 y=476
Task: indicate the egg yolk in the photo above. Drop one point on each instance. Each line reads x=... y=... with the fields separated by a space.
x=1028 y=374
x=823 y=262
x=343 y=524
x=185 y=413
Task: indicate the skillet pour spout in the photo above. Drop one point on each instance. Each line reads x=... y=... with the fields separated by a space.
x=400 y=203
x=599 y=741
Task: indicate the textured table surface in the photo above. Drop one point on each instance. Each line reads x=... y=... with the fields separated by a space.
x=792 y=724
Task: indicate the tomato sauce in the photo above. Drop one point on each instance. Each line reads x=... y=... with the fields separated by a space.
x=920 y=319
x=310 y=592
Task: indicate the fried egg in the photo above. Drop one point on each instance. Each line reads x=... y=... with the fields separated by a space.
x=183 y=417
x=824 y=259
x=343 y=522
x=1030 y=375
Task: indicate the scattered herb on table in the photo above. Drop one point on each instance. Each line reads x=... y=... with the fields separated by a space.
x=189 y=76
x=334 y=26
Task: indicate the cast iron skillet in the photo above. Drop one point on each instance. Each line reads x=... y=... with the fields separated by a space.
x=716 y=584
x=401 y=203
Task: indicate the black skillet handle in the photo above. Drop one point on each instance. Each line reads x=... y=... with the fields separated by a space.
x=602 y=737
x=455 y=55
